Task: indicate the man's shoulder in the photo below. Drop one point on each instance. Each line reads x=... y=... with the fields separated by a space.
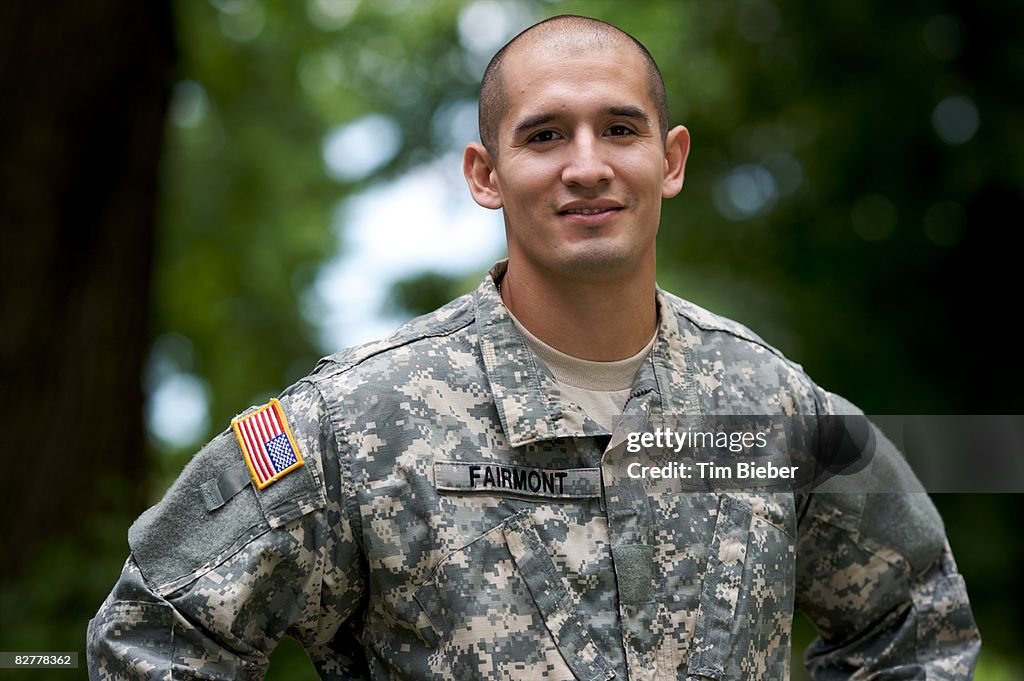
x=703 y=321
x=411 y=342
x=737 y=370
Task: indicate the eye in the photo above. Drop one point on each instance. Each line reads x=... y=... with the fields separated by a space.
x=545 y=136
x=619 y=131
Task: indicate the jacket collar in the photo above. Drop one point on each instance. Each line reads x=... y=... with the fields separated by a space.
x=529 y=402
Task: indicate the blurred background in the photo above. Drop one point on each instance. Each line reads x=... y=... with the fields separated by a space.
x=199 y=199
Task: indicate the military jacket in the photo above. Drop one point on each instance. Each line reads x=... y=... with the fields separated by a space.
x=456 y=518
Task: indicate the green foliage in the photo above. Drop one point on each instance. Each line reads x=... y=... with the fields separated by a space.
x=247 y=204
x=426 y=291
x=48 y=609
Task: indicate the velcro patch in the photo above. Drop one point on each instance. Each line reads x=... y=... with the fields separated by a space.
x=491 y=477
x=267 y=444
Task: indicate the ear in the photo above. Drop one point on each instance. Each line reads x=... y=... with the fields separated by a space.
x=478 y=168
x=677 y=148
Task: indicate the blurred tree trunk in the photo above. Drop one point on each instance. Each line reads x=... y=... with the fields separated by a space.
x=85 y=91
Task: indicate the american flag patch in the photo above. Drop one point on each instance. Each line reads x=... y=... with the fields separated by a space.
x=267 y=444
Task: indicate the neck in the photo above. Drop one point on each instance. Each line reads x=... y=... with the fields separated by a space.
x=600 y=320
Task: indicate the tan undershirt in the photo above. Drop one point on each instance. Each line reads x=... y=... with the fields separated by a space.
x=600 y=388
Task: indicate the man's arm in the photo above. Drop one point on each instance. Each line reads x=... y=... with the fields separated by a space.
x=876 y=577
x=220 y=571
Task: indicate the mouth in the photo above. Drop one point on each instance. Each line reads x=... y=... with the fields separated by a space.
x=590 y=211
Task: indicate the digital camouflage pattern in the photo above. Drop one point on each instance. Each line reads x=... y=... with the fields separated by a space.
x=386 y=564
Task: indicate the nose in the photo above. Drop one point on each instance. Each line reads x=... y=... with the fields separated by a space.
x=587 y=165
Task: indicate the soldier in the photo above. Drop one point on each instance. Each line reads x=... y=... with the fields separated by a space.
x=446 y=504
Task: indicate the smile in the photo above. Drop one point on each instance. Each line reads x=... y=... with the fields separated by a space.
x=587 y=211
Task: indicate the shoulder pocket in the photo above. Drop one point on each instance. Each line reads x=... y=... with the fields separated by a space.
x=179 y=540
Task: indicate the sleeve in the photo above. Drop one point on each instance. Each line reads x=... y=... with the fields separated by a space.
x=876 y=577
x=219 y=570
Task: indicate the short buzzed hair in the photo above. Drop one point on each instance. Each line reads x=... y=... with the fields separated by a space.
x=572 y=33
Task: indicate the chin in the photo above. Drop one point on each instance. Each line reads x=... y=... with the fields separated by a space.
x=599 y=263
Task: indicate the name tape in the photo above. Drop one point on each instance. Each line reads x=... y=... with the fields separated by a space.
x=552 y=483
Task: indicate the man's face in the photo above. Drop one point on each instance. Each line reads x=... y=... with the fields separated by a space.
x=580 y=167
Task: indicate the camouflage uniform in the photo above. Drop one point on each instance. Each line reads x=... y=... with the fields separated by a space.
x=457 y=519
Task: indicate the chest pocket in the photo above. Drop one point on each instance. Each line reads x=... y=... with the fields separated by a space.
x=498 y=608
x=746 y=600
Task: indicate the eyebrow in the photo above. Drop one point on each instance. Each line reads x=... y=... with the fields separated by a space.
x=626 y=111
